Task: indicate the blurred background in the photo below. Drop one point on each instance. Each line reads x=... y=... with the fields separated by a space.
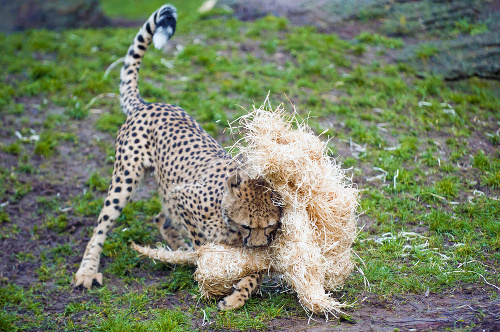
x=464 y=34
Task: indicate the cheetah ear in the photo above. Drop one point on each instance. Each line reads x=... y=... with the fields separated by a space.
x=234 y=180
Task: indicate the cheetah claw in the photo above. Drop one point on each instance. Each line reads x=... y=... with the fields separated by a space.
x=86 y=279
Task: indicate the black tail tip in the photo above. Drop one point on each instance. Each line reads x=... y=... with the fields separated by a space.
x=165 y=26
x=168 y=10
x=167 y=18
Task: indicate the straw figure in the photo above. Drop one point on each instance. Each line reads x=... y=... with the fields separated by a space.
x=312 y=247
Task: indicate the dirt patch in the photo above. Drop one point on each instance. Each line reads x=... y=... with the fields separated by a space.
x=435 y=312
x=421 y=313
x=327 y=16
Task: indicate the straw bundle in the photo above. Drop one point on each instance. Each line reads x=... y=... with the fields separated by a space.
x=232 y=264
x=312 y=248
x=165 y=255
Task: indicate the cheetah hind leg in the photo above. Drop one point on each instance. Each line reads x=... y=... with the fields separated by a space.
x=171 y=232
x=241 y=292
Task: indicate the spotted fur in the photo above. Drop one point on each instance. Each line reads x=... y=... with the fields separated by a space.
x=206 y=197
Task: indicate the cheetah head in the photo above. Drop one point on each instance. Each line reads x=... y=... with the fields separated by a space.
x=248 y=208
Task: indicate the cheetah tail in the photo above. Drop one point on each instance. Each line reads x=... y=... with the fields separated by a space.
x=158 y=28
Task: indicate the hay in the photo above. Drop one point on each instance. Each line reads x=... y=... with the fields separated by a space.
x=163 y=254
x=232 y=264
x=312 y=247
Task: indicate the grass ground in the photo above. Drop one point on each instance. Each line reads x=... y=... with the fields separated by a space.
x=424 y=153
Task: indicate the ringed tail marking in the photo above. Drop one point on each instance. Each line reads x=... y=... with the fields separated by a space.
x=158 y=29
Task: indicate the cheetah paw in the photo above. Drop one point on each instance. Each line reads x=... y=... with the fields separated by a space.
x=230 y=303
x=86 y=279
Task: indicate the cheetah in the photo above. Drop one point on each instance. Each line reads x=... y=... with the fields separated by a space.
x=206 y=195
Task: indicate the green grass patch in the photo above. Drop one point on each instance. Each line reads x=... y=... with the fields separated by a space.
x=98 y=182
x=110 y=122
x=49 y=140
x=376 y=39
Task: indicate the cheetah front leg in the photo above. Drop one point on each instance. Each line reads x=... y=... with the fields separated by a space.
x=171 y=232
x=241 y=293
x=124 y=181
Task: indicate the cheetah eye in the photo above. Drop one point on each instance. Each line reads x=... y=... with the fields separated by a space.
x=231 y=223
